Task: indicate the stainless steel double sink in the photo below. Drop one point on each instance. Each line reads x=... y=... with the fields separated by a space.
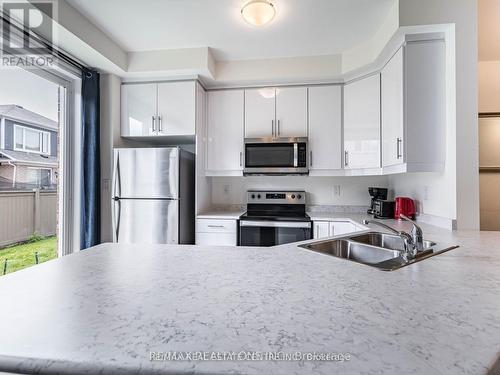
x=376 y=249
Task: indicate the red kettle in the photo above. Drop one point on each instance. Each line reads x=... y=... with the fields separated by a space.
x=405 y=206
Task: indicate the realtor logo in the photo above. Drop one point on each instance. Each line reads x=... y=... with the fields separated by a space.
x=27 y=33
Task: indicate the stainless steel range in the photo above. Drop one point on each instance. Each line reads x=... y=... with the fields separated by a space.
x=274 y=218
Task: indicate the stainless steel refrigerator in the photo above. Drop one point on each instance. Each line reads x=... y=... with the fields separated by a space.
x=153 y=196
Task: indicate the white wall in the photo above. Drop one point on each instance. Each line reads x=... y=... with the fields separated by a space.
x=110 y=119
x=353 y=190
x=461 y=176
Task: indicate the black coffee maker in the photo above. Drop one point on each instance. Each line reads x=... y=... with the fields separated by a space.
x=376 y=193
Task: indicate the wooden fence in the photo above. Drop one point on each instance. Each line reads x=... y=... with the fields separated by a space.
x=25 y=212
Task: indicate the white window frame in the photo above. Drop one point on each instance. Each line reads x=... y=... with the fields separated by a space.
x=69 y=158
x=68 y=76
x=41 y=133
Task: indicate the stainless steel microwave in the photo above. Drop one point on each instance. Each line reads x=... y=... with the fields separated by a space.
x=276 y=156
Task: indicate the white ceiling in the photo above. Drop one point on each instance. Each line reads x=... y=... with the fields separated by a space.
x=301 y=27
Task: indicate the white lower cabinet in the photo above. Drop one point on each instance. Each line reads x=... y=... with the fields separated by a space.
x=215 y=239
x=216 y=232
x=322 y=229
x=338 y=228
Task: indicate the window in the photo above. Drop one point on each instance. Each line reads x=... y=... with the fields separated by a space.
x=31 y=140
x=40 y=177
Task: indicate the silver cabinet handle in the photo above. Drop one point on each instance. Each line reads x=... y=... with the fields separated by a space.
x=311 y=158
x=241 y=159
x=160 y=128
x=153 y=123
x=279 y=130
x=398 y=148
x=346 y=158
x=215 y=226
x=272 y=128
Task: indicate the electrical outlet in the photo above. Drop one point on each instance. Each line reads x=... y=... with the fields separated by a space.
x=426 y=192
x=105 y=184
x=336 y=190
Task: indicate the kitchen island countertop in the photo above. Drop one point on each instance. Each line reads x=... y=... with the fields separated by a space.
x=106 y=309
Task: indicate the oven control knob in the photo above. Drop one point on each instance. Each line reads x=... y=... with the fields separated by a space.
x=253 y=196
x=258 y=196
x=299 y=196
x=293 y=196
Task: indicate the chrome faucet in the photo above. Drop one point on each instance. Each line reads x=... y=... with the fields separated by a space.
x=412 y=242
x=416 y=233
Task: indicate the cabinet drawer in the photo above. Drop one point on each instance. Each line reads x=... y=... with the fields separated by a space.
x=215 y=226
x=216 y=239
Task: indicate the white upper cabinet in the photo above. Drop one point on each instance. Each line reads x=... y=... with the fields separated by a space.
x=271 y=112
x=138 y=109
x=291 y=112
x=413 y=108
x=392 y=111
x=425 y=106
x=260 y=113
x=362 y=123
x=225 y=132
x=176 y=108
x=325 y=129
x=158 y=109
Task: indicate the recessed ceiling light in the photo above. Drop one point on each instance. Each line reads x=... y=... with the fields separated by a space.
x=258 y=12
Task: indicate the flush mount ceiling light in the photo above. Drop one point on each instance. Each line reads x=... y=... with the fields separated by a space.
x=258 y=12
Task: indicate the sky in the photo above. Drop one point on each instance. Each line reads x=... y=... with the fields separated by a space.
x=18 y=86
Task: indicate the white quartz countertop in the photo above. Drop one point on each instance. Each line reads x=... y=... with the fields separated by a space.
x=105 y=309
x=233 y=215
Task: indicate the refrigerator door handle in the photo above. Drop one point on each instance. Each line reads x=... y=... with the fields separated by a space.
x=116 y=218
x=116 y=176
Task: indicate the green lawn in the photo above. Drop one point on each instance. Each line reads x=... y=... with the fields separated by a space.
x=23 y=255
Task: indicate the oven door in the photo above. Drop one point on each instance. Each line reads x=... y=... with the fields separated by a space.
x=277 y=157
x=272 y=233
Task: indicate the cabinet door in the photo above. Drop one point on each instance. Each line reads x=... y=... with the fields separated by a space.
x=225 y=131
x=176 y=108
x=260 y=112
x=325 y=127
x=321 y=229
x=216 y=239
x=138 y=108
x=338 y=228
x=291 y=112
x=362 y=123
x=392 y=111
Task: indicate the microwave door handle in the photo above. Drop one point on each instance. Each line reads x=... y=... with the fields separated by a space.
x=295 y=155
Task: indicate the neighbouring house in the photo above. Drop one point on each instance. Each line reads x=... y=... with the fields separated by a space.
x=28 y=149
